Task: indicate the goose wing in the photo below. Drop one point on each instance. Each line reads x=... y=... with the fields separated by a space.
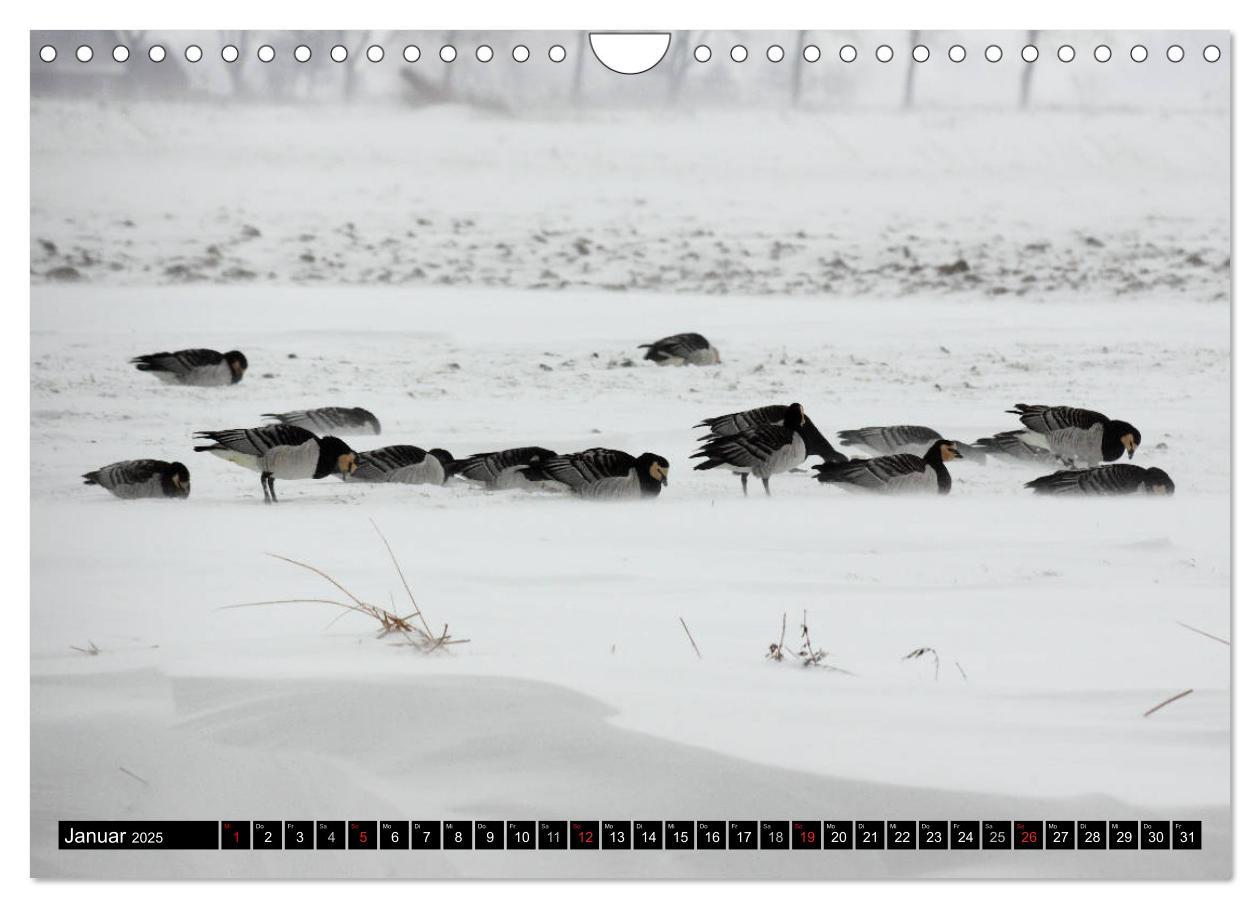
x=375 y=465
x=684 y=344
x=327 y=420
x=680 y=345
x=746 y=449
x=1012 y=446
x=888 y=439
x=125 y=472
x=1045 y=420
x=586 y=467
x=486 y=466
x=876 y=473
x=256 y=442
x=743 y=421
x=179 y=362
x=1112 y=479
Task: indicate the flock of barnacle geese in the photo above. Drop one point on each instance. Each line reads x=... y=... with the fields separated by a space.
x=761 y=442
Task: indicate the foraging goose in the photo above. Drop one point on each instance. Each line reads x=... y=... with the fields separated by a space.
x=1011 y=447
x=604 y=473
x=763 y=450
x=760 y=417
x=1076 y=436
x=326 y=420
x=281 y=452
x=199 y=367
x=142 y=479
x=404 y=464
x=879 y=440
x=897 y=473
x=1112 y=479
x=682 y=350
x=498 y=470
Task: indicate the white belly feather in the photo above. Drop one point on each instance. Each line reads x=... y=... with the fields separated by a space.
x=292 y=461
x=1081 y=446
x=511 y=478
x=784 y=459
x=613 y=487
x=201 y=376
x=428 y=472
x=248 y=461
x=920 y=483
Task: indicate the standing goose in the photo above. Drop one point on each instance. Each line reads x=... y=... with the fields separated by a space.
x=682 y=350
x=325 y=420
x=604 y=473
x=199 y=367
x=1011 y=447
x=879 y=440
x=142 y=479
x=1112 y=479
x=897 y=473
x=762 y=417
x=1076 y=436
x=281 y=452
x=404 y=464
x=764 y=449
x=498 y=470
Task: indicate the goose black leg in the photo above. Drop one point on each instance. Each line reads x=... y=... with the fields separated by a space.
x=765 y=481
x=263 y=480
x=743 y=481
x=271 y=484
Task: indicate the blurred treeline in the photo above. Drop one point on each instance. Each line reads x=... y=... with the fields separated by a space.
x=579 y=80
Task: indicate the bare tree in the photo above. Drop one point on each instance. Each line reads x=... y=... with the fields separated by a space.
x=907 y=100
x=579 y=53
x=798 y=68
x=354 y=61
x=1025 y=77
x=678 y=64
x=235 y=71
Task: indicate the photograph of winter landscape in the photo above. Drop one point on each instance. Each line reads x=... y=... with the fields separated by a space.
x=815 y=425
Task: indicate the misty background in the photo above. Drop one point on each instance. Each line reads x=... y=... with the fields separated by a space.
x=821 y=178
x=579 y=79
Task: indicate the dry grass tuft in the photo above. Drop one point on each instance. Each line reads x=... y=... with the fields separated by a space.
x=807 y=655
x=413 y=627
x=923 y=652
x=1173 y=699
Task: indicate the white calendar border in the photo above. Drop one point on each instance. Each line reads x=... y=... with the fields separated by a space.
x=925 y=14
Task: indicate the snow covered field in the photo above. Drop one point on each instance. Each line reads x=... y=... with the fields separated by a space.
x=579 y=694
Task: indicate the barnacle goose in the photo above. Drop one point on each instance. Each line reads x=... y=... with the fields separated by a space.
x=879 y=440
x=760 y=417
x=142 y=479
x=764 y=447
x=326 y=420
x=682 y=350
x=404 y=464
x=1011 y=447
x=1076 y=436
x=201 y=367
x=1111 y=479
x=498 y=470
x=897 y=473
x=281 y=452
x=604 y=473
